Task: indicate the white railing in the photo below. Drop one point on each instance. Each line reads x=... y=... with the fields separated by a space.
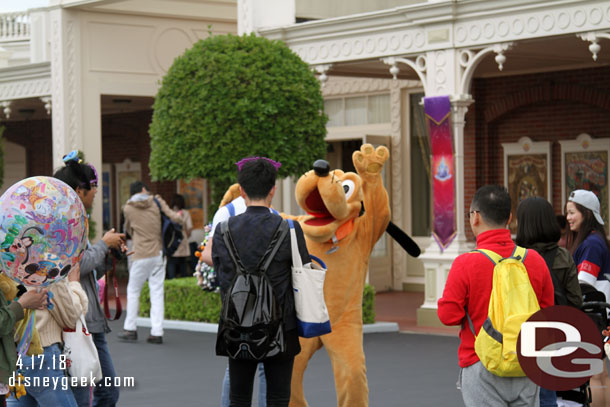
x=14 y=26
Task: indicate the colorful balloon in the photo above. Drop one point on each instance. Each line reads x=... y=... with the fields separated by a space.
x=43 y=231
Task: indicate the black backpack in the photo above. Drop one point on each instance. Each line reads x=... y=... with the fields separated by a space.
x=251 y=319
x=171 y=233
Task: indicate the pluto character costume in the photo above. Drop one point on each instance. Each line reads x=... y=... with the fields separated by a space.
x=346 y=214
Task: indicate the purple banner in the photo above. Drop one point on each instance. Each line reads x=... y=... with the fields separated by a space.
x=438 y=118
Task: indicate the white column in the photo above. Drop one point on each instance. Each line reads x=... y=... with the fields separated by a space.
x=76 y=113
x=399 y=257
x=39 y=35
x=459 y=108
x=443 y=79
x=92 y=142
x=66 y=76
x=255 y=14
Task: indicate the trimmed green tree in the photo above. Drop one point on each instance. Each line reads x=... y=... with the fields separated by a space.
x=230 y=97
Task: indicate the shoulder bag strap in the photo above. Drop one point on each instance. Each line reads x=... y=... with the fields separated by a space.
x=495 y=258
x=84 y=327
x=470 y=322
x=158 y=206
x=162 y=215
x=274 y=246
x=296 y=256
x=228 y=239
x=519 y=253
x=231 y=208
x=119 y=306
x=492 y=256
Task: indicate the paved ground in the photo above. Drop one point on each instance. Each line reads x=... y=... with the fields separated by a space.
x=403 y=370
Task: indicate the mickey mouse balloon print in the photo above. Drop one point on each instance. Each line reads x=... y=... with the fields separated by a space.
x=43 y=231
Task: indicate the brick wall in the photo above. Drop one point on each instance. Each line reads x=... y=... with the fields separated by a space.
x=35 y=136
x=544 y=107
x=123 y=136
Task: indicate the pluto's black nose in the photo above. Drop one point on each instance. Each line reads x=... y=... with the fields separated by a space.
x=321 y=167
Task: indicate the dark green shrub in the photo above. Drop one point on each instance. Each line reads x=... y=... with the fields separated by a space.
x=230 y=97
x=185 y=301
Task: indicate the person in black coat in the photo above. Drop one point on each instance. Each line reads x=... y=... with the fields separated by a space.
x=252 y=232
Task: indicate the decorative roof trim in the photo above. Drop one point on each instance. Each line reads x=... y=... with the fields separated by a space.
x=25 y=81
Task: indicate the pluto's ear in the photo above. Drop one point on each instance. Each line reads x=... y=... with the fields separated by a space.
x=403 y=239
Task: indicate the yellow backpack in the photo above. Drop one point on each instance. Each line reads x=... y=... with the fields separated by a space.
x=511 y=303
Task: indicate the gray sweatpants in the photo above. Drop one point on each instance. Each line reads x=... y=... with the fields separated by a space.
x=482 y=388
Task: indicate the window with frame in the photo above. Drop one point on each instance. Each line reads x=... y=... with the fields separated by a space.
x=358 y=110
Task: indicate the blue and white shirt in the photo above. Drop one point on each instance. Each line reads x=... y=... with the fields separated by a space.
x=593 y=263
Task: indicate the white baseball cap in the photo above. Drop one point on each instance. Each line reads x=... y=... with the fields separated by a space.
x=589 y=200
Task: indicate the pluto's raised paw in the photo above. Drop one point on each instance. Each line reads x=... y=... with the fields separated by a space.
x=370 y=160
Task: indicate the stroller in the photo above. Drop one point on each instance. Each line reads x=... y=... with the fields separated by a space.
x=596 y=307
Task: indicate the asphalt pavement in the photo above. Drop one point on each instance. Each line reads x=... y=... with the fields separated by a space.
x=403 y=370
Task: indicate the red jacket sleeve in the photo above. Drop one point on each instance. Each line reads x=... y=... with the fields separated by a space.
x=451 y=304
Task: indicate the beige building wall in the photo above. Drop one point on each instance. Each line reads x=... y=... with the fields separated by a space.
x=319 y=9
x=113 y=48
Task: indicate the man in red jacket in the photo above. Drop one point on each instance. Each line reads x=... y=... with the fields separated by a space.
x=468 y=287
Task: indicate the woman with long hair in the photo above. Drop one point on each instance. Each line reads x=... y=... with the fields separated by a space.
x=589 y=246
x=587 y=240
x=538 y=229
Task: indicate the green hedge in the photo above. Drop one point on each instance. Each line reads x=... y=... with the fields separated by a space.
x=185 y=301
x=368 y=305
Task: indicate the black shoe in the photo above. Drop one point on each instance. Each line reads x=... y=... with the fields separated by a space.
x=155 y=339
x=130 y=336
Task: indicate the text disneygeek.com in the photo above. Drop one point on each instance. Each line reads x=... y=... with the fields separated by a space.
x=65 y=382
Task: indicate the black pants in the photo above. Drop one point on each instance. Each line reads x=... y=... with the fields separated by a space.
x=176 y=267
x=278 y=372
